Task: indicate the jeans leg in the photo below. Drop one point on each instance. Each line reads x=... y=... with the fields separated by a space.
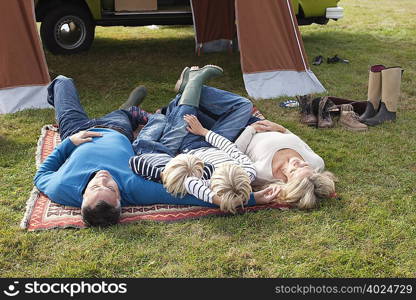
x=233 y=112
x=148 y=139
x=71 y=117
x=121 y=120
x=175 y=130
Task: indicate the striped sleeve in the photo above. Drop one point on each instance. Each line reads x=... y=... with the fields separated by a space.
x=199 y=188
x=208 y=170
x=233 y=152
x=149 y=166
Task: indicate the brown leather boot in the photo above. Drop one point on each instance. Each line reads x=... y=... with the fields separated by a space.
x=324 y=115
x=306 y=114
x=349 y=119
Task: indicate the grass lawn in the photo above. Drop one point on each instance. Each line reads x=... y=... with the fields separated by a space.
x=370 y=232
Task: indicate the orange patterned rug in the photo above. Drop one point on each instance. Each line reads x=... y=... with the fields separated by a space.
x=43 y=214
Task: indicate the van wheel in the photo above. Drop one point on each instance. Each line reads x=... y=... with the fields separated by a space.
x=67 y=30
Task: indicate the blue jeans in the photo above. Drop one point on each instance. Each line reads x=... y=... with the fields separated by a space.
x=164 y=133
x=71 y=117
x=223 y=112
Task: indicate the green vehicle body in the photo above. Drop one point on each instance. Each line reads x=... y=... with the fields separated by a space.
x=83 y=15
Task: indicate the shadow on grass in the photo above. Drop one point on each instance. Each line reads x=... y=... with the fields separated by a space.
x=149 y=58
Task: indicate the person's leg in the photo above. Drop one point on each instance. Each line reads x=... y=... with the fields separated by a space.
x=175 y=130
x=124 y=121
x=129 y=116
x=231 y=113
x=148 y=139
x=71 y=117
x=164 y=133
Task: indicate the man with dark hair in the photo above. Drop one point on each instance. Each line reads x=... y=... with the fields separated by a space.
x=103 y=214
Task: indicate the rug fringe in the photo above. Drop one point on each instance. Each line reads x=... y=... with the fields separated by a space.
x=30 y=203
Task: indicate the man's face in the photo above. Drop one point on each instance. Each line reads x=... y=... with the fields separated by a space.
x=101 y=187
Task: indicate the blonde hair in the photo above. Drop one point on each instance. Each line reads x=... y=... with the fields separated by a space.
x=178 y=169
x=304 y=193
x=231 y=183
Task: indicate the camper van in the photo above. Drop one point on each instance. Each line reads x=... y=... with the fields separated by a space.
x=68 y=26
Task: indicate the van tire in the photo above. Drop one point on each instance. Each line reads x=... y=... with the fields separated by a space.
x=66 y=42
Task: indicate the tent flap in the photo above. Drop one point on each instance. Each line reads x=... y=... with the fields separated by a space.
x=22 y=61
x=273 y=58
x=266 y=85
x=214 y=22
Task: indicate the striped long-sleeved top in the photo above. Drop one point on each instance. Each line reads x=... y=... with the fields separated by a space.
x=150 y=166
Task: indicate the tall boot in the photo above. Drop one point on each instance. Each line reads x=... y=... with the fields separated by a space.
x=196 y=78
x=306 y=114
x=324 y=113
x=390 y=94
x=136 y=97
x=374 y=92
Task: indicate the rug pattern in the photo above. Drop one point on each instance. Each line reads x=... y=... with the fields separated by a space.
x=42 y=214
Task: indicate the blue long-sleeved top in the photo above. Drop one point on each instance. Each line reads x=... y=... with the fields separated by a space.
x=66 y=171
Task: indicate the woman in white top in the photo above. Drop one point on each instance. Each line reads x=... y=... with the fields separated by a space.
x=281 y=157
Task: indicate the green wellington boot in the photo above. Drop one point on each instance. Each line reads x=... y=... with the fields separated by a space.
x=136 y=97
x=195 y=79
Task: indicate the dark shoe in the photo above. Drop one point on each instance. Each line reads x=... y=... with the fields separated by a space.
x=336 y=59
x=306 y=114
x=349 y=119
x=324 y=115
x=382 y=116
x=318 y=60
x=368 y=113
x=136 y=97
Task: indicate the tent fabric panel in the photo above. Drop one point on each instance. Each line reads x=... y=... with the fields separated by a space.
x=269 y=37
x=22 y=60
x=266 y=85
x=19 y=98
x=213 y=20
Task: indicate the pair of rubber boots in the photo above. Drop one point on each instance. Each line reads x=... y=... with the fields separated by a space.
x=189 y=85
x=191 y=80
x=383 y=95
x=317 y=112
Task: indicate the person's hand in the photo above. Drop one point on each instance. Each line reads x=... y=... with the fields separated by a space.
x=83 y=137
x=266 y=125
x=267 y=195
x=194 y=126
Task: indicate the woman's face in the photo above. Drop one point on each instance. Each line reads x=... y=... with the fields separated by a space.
x=297 y=169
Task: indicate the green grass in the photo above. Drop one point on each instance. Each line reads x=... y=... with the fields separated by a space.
x=370 y=232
